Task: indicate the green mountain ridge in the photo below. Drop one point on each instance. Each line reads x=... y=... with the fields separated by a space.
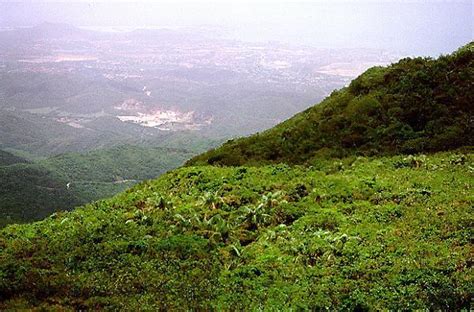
x=295 y=228
x=413 y=106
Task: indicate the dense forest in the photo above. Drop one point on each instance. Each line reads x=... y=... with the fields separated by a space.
x=363 y=202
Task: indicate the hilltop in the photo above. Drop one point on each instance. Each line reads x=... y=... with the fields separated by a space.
x=416 y=105
x=294 y=228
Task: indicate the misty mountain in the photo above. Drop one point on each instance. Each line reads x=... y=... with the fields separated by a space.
x=415 y=27
x=62 y=31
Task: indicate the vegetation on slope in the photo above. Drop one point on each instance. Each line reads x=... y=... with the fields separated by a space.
x=353 y=233
x=416 y=105
x=357 y=233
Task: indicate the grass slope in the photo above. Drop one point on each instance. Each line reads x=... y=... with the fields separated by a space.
x=415 y=105
x=357 y=233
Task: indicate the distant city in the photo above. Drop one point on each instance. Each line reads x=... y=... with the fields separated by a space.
x=170 y=79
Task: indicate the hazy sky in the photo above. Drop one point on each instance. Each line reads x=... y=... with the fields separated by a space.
x=414 y=27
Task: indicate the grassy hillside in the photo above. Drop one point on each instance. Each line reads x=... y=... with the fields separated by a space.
x=358 y=233
x=32 y=191
x=415 y=105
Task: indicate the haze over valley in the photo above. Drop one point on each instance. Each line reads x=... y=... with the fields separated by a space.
x=164 y=80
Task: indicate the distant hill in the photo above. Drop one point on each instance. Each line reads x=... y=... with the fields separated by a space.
x=416 y=105
x=44 y=136
x=117 y=163
x=20 y=36
x=7 y=159
x=47 y=30
x=32 y=191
